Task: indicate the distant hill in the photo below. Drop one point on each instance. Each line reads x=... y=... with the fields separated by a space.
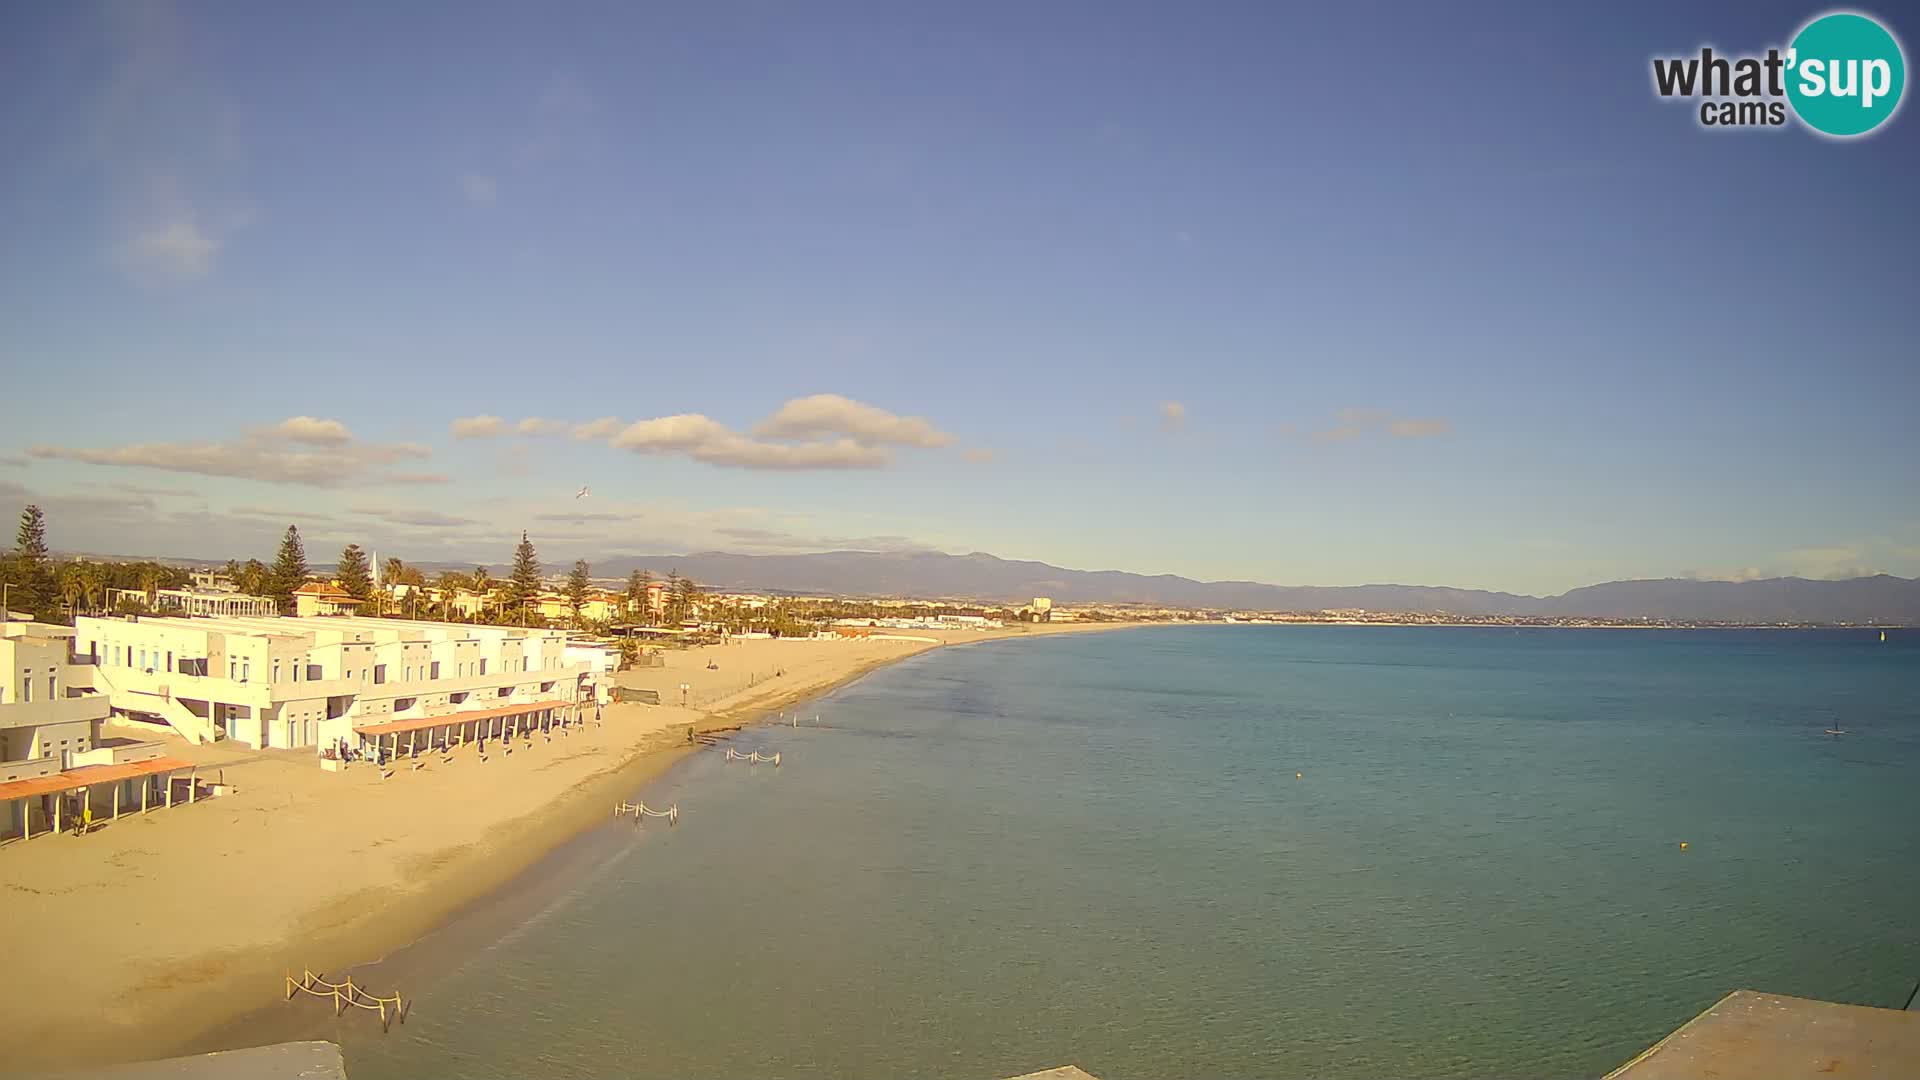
x=986 y=577
x=1881 y=598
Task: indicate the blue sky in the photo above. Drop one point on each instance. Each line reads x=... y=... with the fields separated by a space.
x=1328 y=294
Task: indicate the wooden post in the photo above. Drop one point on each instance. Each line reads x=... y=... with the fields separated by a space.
x=169 y=782
x=26 y=816
x=193 y=786
x=116 y=801
x=146 y=788
x=59 y=808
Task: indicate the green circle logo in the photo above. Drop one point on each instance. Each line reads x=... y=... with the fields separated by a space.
x=1845 y=73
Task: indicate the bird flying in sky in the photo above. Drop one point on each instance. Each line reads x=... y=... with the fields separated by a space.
x=582 y=493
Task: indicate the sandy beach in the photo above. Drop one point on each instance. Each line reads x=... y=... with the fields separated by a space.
x=156 y=929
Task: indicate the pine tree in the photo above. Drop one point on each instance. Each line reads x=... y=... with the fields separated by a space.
x=33 y=586
x=523 y=584
x=30 y=543
x=356 y=577
x=687 y=599
x=289 y=569
x=579 y=582
x=671 y=598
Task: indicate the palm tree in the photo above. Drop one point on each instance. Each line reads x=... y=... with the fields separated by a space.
x=67 y=577
x=93 y=584
x=482 y=584
x=150 y=581
x=450 y=585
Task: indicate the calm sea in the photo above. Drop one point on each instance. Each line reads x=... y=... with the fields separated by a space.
x=1095 y=849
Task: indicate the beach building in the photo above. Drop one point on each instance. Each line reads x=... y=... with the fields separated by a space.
x=48 y=710
x=198 y=601
x=55 y=766
x=601 y=660
x=290 y=683
x=603 y=607
x=323 y=598
x=468 y=604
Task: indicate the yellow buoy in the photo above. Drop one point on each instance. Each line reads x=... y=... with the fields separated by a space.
x=1683 y=845
x=1296 y=776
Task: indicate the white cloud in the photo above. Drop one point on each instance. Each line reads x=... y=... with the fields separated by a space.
x=1354 y=423
x=480 y=190
x=822 y=431
x=310 y=429
x=1738 y=574
x=167 y=143
x=427 y=519
x=1420 y=429
x=299 y=450
x=1173 y=415
x=831 y=414
x=594 y=430
x=478 y=427
x=705 y=439
x=177 y=249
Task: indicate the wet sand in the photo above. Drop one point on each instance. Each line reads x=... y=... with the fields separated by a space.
x=138 y=940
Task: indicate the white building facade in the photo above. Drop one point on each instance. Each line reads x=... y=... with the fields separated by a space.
x=293 y=683
x=48 y=711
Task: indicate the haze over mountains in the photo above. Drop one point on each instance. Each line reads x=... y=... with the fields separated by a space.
x=1881 y=598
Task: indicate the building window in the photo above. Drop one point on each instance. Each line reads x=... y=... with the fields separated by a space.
x=483 y=667
x=246 y=669
x=379 y=674
x=26 y=688
x=433 y=670
x=233 y=668
x=276 y=672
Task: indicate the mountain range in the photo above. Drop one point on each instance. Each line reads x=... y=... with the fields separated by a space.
x=1881 y=598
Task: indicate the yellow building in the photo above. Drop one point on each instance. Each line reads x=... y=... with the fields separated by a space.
x=315 y=598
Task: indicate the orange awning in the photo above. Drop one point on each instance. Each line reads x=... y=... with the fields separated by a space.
x=87 y=776
x=416 y=724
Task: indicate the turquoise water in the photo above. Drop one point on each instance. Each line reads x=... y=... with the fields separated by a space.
x=1094 y=849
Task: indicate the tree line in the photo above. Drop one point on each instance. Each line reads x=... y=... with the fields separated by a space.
x=55 y=591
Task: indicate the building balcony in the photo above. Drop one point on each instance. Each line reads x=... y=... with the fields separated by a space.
x=55 y=711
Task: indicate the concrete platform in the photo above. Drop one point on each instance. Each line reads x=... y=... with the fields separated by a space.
x=282 y=1061
x=1748 y=1035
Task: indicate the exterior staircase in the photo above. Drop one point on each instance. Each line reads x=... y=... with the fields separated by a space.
x=190 y=725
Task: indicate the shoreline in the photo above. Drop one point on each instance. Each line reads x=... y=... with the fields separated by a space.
x=174 y=996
